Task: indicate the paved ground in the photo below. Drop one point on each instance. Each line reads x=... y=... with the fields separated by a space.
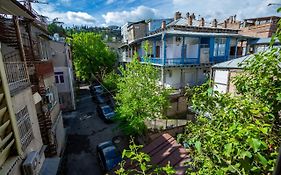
x=85 y=131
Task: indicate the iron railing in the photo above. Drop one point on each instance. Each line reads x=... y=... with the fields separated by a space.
x=16 y=72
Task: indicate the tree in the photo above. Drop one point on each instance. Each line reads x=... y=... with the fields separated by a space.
x=139 y=97
x=142 y=163
x=239 y=134
x=110 y=81
x=231 y=135
x=56 y=27
x=91 y=56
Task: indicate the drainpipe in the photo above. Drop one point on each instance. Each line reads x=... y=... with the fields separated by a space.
x=10 y=105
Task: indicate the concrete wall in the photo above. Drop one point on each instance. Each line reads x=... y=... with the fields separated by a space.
x=180 y=77
x=223 y=80
x=59 y=131
x=19 y=101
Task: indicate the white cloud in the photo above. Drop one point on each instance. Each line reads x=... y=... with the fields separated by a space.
x=138 y=13
x=68 y=18
x=110 y=1
x=223 y=9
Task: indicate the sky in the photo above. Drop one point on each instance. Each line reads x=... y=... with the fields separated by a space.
x=118 y=12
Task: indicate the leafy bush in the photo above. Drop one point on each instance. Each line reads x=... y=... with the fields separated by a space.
x=232 y=136
x=142 y=163
x=110 y=80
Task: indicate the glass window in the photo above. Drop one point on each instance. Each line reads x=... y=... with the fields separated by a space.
x=219 y=47
x=25 y=127
x=59 y=77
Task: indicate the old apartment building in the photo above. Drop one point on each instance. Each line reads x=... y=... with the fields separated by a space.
x=63 y=69
x=31 y=120
x=262 y=27
x=183 y=49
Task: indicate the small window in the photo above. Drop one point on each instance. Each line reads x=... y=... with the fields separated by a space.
x=157 y=51
x=59 y=77
x=25 y=127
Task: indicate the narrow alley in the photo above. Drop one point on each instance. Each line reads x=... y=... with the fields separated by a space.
x=84 y=131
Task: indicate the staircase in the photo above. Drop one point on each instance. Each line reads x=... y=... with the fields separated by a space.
x=7 y=139
x=8 y=33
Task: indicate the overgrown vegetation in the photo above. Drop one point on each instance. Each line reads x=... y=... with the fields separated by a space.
x=110 y=80
x=239 y=134
x=140 y=163
x=139 y=96
x=92 y=58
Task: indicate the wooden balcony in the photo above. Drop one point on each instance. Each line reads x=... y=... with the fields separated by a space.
x=16 y=72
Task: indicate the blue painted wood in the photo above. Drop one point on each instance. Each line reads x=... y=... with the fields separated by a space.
x=154 y=48
x=227 y=48
x=164 y=44
x=198 y=55
x=182 y=49
x=212 y=42
x=236 y=43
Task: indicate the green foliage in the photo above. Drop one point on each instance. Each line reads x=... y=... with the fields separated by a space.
x=239 y=134
x=91 y=56
x=110 y=80
x=55 y=27
x=232 y=135
x=142 y=163
x=139 y=97
x=261 y=78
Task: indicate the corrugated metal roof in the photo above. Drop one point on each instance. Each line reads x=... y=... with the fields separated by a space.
x=162 y=150
x=232 y=64
x=263 y=41
x=180 y=32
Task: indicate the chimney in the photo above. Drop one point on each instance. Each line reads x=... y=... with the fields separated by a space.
x=202 y=22
x=189 y=21
x=177 y=16
x=231 y=19
x=214 y=23
x=234 y=18
x=193 y=16
x=187 y=15
x=163 y=26
x=225 y=24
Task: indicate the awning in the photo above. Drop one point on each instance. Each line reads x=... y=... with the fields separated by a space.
x=13 y=7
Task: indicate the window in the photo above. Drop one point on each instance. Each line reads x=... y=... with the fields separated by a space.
x=219 y=47
x=157 y=51
x=25 y=127
x=59 y=77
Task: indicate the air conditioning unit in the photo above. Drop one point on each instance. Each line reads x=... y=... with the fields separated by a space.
x=30 y=165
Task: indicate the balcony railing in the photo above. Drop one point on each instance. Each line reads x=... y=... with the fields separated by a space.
x=16 y=72
x=172 y=61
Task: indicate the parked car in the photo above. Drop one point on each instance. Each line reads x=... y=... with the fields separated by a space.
x=96 y=89
x=108 y=156
x=101 y=99
x=106 y=113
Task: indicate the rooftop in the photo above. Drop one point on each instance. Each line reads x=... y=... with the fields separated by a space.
x=232 y=64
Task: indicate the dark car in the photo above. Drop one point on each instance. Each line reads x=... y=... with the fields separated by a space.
x=108 y=156
x=96 y=89
x=106 y=113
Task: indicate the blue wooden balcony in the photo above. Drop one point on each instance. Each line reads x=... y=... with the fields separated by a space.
x=172 y=61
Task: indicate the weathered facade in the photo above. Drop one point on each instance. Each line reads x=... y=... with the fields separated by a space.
x=31 y=119
x=183 y=49
x=64 y=78
x=19 y=123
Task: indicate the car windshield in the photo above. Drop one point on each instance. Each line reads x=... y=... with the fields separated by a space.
x=111 y=152
x=107 y=110
x=98 y=88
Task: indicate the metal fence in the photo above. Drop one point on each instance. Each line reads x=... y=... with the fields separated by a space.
x=16 y=72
